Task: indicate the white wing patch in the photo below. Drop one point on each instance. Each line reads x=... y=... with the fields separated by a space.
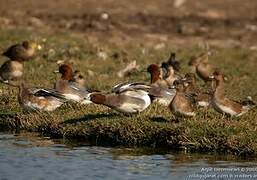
x=133 y=107
x=73 y=97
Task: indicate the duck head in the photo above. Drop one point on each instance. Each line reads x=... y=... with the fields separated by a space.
x=66 y=71
x=178 y=84
x=173 y=62
x=154 y=70
x=27 y=45
x=97 y=98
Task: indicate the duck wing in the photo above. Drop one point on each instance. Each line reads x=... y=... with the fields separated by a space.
x=44 y=92
x=119 y=88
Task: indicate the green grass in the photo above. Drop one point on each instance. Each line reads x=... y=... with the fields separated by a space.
x=155 y=127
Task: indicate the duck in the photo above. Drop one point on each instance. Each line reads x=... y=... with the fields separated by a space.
x=21 y=52
x=125 y=98
x=181 y=104
x=78 y=78
x=162 y=92
x=70 y=88
x=172 y=62
x=202 y=98
x=38 y=99
x=157 y=75
x=121 y=87
x=224 y=105
x=201 y=66
x=11 y=71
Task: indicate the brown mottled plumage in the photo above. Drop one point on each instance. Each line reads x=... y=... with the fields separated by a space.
x=11 y=71
x=202 y=68
x=223 y=104
x=202 y=98
x=181 y=105
x=20 y=52
x=39 y=99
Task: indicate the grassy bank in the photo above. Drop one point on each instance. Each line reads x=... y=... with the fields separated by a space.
x=155 y=127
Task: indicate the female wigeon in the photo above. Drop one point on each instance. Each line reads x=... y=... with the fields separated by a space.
x=201 y=66
x=223 y=104
x=70 y=89
x=21 y=52
x=160 y=89
x=202 y=99
x=125 y=100
x=172 y=62
x=38 y=99
x=181 y=104
x=78 y=78
x=11 y=71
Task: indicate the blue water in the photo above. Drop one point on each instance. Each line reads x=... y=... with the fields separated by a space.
x=27 y=156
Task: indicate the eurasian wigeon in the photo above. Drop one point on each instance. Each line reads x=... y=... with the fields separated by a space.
x=70 y=89
x=157 y=94
x=160 y=89
x=119 y=88
x=38 y=99
x=163 y=76
x=202 y=99
x=21 y=52
x=223 y=104
x=181 y=104
x=78 y=78
x=156 y=75
x=202 y=67
x=126 y=100
x=172 y=62
x=11 y=71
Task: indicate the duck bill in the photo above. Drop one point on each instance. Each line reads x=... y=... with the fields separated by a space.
x=56 y=72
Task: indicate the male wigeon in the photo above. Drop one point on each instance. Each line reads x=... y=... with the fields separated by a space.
x=11 y=71
x=124 y=99
x=121 y=87
x=202 y=99
x=157 y=75
x=70 y=89
x=181 y=104
x=223 y=104
x=21 y=52
x=202 y=67
x=38 y=99
x=160 y=89
x=157 y=94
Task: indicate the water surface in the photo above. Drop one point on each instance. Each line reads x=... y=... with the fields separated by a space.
x=29 y=156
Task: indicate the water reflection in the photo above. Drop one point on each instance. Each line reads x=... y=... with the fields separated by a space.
x=29 y=156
